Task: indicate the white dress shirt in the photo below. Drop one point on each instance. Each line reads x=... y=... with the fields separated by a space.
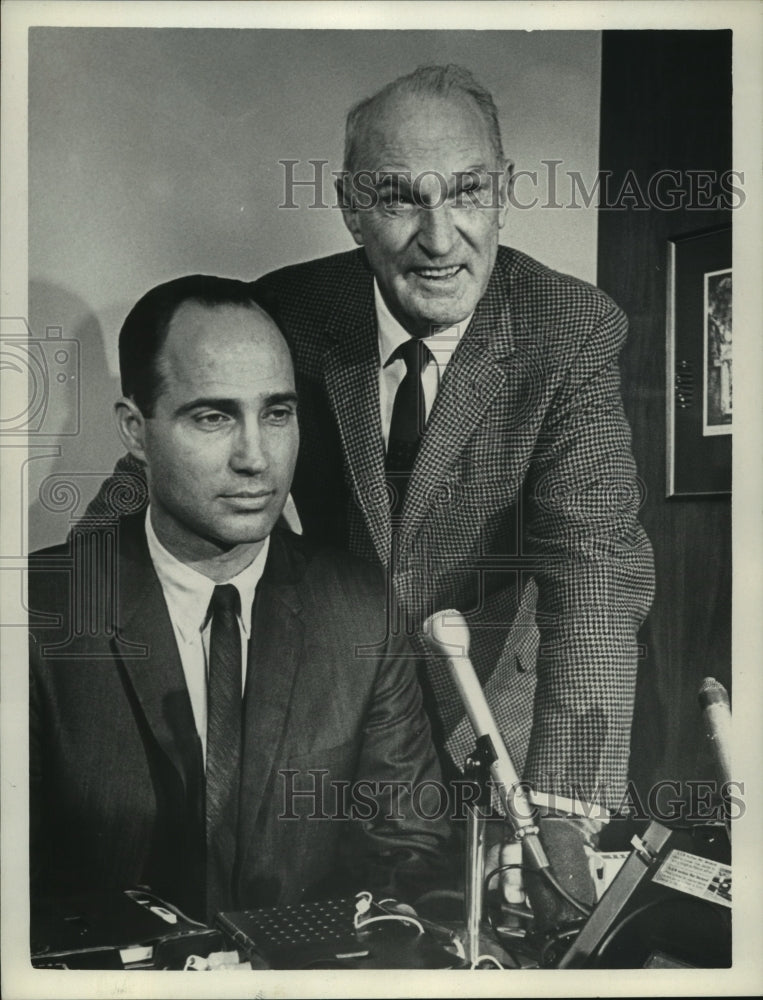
x=188 y=594
x=391 y=336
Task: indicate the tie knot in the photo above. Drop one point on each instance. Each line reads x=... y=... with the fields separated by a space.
x=225 y=598
x=414 y=353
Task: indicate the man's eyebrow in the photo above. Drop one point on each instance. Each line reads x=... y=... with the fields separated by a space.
x=208 y=402
x=477 y=168
x=392 y=177
x=280 y=397
x=227 y=405
x=404 y=180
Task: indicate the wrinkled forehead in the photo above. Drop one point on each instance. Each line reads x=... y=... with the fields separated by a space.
x=425 y=131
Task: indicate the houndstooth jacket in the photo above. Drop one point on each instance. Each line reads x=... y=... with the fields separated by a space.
x=521 y=510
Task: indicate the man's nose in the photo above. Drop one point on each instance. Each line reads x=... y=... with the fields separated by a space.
x=248 y=453
x=437 y=231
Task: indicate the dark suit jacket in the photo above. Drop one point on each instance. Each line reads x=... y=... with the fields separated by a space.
x=521 y=511
x=116 y=763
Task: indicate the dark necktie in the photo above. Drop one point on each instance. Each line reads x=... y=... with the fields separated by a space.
x=223 y=745
x=408 y=421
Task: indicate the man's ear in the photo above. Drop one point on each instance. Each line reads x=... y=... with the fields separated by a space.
x=131 y=425
x=346 y=201
x=504 y=191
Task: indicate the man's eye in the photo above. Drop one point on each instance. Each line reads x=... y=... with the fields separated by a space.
x=279 y=415
x=211 y=421
x=396 y=200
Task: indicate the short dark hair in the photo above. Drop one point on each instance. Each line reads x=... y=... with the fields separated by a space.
x=144 y=331
x=434 y=81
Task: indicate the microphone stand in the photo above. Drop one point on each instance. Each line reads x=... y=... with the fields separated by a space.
x=477 y=771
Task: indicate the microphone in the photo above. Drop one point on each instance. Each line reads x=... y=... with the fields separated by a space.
x=716 y=710
x=449 y=635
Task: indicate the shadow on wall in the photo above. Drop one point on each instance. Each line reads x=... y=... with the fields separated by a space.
x=71 y=449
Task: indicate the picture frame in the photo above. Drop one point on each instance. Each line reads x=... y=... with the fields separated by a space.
x=699 y=385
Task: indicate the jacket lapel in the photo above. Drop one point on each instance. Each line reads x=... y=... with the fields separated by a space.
x=145 y=647
x=484 y=365
x=351 y=373
x=275 y=652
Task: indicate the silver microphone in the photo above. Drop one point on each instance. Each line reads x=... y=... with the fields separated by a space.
x=448 y=634
x=716 y=710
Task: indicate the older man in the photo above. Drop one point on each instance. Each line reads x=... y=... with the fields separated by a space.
x=198 y=687
x=462 y=425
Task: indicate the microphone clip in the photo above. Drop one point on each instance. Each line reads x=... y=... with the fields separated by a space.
x=477 y=769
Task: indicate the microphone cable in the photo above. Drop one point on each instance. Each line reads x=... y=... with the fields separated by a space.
x=550 y=878
x=558 y=887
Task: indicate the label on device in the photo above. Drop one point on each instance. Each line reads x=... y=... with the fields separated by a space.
x=696 y=876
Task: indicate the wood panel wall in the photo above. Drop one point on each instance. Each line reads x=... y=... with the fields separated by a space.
x=666 y=104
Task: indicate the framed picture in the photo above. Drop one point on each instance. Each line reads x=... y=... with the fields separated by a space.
x=699 y=364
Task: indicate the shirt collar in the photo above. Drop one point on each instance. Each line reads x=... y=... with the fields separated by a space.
x=391 y=334
x=189 y=592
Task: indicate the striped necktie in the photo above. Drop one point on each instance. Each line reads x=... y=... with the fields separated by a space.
x=223 y=745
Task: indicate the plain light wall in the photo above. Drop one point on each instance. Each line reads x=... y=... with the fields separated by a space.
x=155 y=152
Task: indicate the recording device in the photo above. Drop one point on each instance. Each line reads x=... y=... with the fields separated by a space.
x=336 y=933
x=670 y=904
x=296 y=936
x=113 y=929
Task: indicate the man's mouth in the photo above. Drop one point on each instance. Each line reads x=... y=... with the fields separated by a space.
x=248 y=500
x=438 y=273
x=249 y=494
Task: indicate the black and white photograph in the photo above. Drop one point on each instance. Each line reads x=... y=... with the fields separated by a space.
x=717 y=393
x=698 y=384
x=370 y=598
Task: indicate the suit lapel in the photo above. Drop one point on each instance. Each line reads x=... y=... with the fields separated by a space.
x=351 y=372
x=275 y=652
x=484 y=365
x=146 y=649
